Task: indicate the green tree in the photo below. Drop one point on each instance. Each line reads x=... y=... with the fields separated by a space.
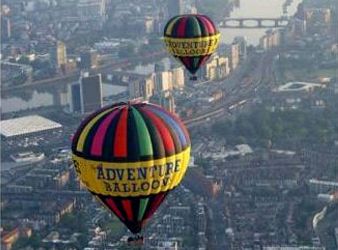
x=24 y=60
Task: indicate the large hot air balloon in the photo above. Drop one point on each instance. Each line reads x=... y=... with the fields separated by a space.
x=192 y=39
x=130 y=156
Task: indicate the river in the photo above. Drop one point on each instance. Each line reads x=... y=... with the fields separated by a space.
x=244 y=9
x=256 y=8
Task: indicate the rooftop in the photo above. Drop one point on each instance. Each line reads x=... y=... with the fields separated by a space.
x=299 y=86
x=26 y=125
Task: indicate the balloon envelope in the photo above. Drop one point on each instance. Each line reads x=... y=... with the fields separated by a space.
x=130 y=156
x=192 y=39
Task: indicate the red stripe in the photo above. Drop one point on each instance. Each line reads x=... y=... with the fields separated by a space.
x=128 y=209
x=186 y=61
x=175 y=117
x=114 y=208
x=203 y=60
x=120 y=143
x=181 y=27
x=164 y=132
x=155 y=204
x=209 y=25
x=85 y=121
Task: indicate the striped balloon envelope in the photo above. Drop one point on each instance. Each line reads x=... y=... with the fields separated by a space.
x=192 y=39
x=129 y=156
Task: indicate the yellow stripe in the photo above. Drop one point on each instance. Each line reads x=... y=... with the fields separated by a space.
x=133 y=179
x=84 y=133
x=171 y=26
x=192 y=46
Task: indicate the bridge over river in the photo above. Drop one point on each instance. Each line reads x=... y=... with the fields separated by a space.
x=254 y=23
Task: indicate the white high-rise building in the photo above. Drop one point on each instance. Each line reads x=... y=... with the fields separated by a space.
x=177 y=77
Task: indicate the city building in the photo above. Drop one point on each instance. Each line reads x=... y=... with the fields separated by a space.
x=216 y=68
x=27 y=157
x=177 y=77
x=27 y=125
x=74 y=97
x=292 y=248
x=92 y=10
x=91 y=92
x=148 y=86
x=233 y=52
x=175 y=7
x=241 y=41
x=6 y=28
x=299 y=87
x=142 y=88
x=11 y=72
x=320 y=186
x=58 y=54
x=164 y=99
x=163 y=81
x=149 y=23
x=298 y=27
x=89 y=59
x=270 y=40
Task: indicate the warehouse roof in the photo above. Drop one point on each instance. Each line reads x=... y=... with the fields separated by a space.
x=26 y=125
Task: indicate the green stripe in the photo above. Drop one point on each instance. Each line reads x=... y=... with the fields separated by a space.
x=142 y=209
x=195 y=62
x=193 y=28
x=203 y=27
x=146 y=147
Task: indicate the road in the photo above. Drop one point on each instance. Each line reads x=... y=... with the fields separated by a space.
x=238 y=89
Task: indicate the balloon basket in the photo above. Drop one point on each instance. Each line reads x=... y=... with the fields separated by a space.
x=136 y=241
x=193 y=78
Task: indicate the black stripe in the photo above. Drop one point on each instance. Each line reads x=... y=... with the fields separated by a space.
x=175 y=28
x=204 y=30
x=91 y=133
x=123 y=159
x=166 y=26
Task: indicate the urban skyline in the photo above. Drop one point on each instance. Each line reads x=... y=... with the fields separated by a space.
x=262 y=117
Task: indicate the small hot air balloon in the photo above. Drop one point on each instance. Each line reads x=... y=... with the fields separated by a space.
x=192 y=39
x=129 y=156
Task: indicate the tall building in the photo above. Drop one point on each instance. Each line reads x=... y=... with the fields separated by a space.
x=234 y=55
x=175 y=7
x=165 y=99
x=241 y=41
x=149 y=23
x=74 y=97
x=163 y=81
x=177 y=77
x=6 y=28
x=89 y=59
x=223 y=67
x=91 y=92
x=216 y=68
x=143 y=88
x=270 y=40
x=58 y=54
x=148 y=86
